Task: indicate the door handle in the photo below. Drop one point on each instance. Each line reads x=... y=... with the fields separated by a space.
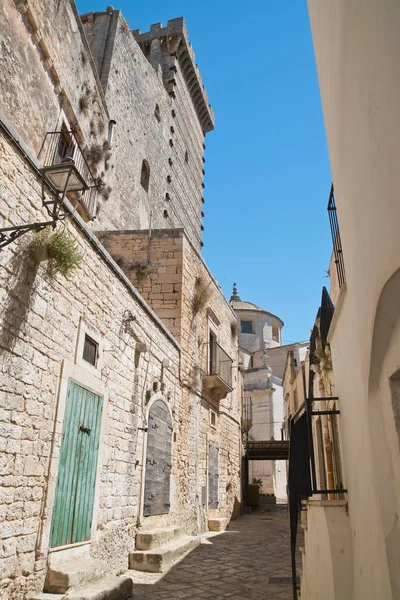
x=85 y=429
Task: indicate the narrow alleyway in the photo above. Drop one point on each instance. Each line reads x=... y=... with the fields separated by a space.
x=250 y=561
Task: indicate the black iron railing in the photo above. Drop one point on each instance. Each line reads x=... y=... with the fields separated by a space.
x=303 y=477
x=337 y=244
x=219 y=363
x=63 y=147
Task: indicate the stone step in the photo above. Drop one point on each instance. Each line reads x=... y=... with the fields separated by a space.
x=152 y=538
x=218 y=524
x=159 y=560
x=44 y=596
x=107 y=588
x=73 y=574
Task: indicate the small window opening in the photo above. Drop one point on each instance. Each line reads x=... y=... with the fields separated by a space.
x=275 y=333
x=111 y=130
x=169 y=178
x=186 y=157
x=90 y=351
x=213 y=418
x=172 y=130
x=173 y=113
x=246 y=326
x=170 y=162
x=145 y=176
x=157 y=113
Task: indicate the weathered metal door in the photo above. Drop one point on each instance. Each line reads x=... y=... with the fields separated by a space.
x=73 y=506
x=158 y=461
x=213 y=475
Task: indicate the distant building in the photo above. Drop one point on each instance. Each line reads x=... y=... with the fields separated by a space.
x=260 y=343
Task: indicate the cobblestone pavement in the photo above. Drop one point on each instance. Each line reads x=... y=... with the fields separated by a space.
x=237 y=564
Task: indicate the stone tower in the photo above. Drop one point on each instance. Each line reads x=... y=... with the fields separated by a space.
x=153 y=86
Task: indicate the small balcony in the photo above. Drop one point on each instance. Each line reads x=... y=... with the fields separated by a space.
x=218 y=378
x=61 y=148
x=337 y=244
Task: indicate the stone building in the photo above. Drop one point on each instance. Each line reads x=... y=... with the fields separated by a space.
x=260 y=334
x=351 y=548
x=119 y=384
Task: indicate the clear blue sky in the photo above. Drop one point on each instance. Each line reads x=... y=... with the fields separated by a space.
x=267 y=170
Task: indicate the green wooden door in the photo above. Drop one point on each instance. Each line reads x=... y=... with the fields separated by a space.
x=73 y=506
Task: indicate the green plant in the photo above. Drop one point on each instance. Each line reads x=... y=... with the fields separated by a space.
x=84 y=102
x=94 y=155
x=59 y=248
x=322 y=362
x=143 y=271
x=259 y=483
x=201 y=295
x=101 y=127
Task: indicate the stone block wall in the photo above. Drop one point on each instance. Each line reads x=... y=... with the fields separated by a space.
x=161 y=284
x=41 y=316
x=169 y=289
x=47 y=73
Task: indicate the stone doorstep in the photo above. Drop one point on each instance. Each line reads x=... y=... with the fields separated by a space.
x=159 y=560
x=218 y=524
x=147 y=540
x=107 y=588
x=73 y=574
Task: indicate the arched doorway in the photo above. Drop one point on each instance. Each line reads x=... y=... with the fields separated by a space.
x=158 y=460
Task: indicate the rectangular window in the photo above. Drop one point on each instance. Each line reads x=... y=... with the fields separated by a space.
x=246 y=326
x=213 y=418
x=90 y=351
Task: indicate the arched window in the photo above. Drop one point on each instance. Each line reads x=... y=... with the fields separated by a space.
x=145 y=176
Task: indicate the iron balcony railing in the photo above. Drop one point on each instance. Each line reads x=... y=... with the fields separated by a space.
x=337 y=244
x=305 y=473
x=63 y=147
x=219 y=363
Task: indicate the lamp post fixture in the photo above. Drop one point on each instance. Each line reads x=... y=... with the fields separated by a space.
x=60 y=178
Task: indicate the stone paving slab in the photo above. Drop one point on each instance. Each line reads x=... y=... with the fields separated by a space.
x=234 y=565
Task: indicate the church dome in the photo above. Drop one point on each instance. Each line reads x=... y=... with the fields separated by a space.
x=238 y=304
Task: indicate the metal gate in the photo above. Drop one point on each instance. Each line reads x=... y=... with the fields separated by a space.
x=213 y=475
x=73 y=506
x=158 y=461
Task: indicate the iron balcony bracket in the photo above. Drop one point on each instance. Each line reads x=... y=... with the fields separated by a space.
x=10 y=234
